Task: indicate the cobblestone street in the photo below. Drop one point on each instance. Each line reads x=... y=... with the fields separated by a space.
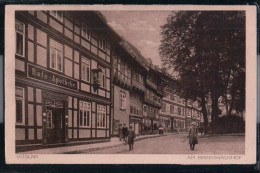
x=178 y=144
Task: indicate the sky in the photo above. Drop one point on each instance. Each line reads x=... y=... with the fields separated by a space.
x=141 y=28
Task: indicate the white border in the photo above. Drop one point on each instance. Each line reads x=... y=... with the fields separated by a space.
x=251 y=64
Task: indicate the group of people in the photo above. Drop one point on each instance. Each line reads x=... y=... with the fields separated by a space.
x=128 y=135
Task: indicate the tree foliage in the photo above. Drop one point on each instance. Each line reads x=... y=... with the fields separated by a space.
x=207 y=49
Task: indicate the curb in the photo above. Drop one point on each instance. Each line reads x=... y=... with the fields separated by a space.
x=223 y=135
x=111 y=146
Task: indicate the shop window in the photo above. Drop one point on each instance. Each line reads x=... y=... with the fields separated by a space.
x=102 y=43
x=19 y=95
x=56 y=59
x=85 y=69
x=57 y=14
x=20 y=32
x=85 y=31
x=101 y=116
x=122 y=100
x=85 y=114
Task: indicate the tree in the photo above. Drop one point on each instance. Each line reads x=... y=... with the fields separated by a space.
x=207 y=49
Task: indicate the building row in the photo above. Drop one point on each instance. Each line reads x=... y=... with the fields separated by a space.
x=77 y=80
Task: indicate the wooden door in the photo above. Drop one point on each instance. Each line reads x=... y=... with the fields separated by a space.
x=58 y=125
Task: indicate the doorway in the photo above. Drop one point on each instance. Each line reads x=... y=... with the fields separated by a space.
x=55 y=122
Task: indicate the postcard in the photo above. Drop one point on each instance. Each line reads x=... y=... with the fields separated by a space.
x=130 y=84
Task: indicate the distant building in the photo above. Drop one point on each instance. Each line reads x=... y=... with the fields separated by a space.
x=128 y=87
x=152 y=100
x=193 y=113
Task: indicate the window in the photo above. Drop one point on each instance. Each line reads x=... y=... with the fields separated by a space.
x=183 y=112
x=144 y=108
x=179 y=111
x=56 y=59
x=122 y=67
x=85 y=114
x=128 y=71
x=164 y=107
x=122 y=100
x=85 y=69
x=172 y=109
x=101 y=116
x=131 y=109
x=57 y=15
x=19 y=95
x=101 y=76
x=172 y=97
x=85 y=31
x=19 y=29
x=102 y=43
x=114 y=61
x=137 y=77
x=49 y=121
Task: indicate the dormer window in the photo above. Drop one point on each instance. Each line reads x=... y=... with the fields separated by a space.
x=85 y=31
x=57 y=14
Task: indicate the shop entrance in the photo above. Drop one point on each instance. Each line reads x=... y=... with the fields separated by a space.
x=55 y=121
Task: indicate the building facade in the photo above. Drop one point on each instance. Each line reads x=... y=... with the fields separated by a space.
x=193 y=113
x=173 y=113
x=62 y=77
x=128 y=81
x=152 y=100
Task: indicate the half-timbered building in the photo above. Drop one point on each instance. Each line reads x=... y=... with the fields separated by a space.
x=62 y=77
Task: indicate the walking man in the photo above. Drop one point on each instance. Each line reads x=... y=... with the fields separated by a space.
x=120 y=134
x=124 y=132
x=193 y=133
x=131 y=137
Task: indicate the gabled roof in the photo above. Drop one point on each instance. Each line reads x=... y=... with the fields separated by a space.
x=134 y=52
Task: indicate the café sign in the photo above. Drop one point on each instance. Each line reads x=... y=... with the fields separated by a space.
x=51 y=77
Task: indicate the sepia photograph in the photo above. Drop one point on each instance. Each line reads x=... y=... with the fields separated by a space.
x=172 y=83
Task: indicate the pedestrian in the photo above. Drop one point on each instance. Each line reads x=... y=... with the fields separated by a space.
x=131 y=137
x=193 y=133
x=120 y=134
x=124 y=132
x=201 y=130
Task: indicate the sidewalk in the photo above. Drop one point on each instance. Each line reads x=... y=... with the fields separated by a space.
x=114 y=142
x=218 y=135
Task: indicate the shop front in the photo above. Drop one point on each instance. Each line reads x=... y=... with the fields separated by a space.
x=136 y=123
x=55 y=118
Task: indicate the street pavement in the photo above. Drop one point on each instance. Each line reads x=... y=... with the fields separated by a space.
x=178 y=144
